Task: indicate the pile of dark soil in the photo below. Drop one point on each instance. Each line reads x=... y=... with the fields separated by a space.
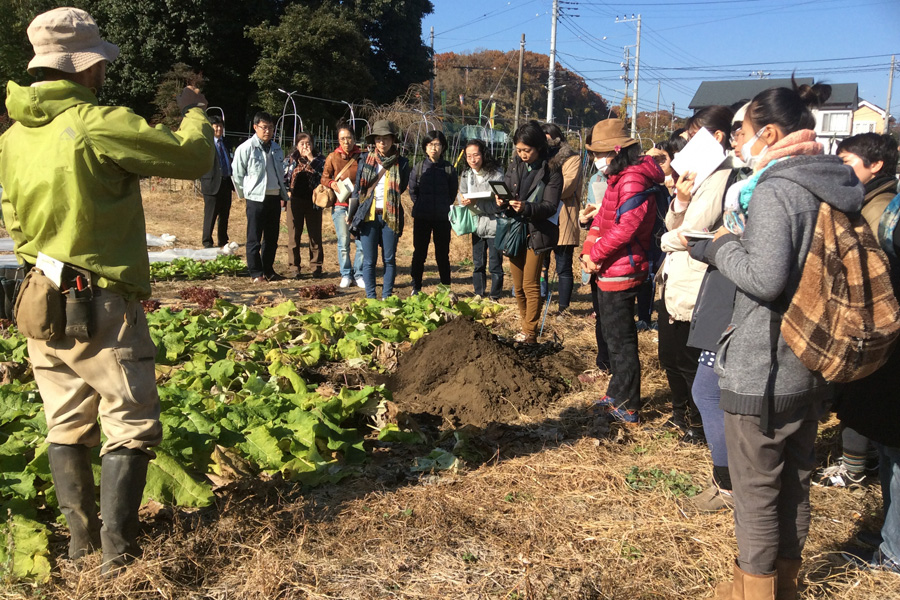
x=462 y=373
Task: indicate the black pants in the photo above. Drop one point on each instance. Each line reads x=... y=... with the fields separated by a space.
x=217 y=207
x=564 y=277
x=484 y=254
x=263 y=223
x=422 y=230
x=679 y=361
x=616 y=312
x=602 y=361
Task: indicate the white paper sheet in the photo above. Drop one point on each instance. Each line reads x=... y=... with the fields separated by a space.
x=702 y=155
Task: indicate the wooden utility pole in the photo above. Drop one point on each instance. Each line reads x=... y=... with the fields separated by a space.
x=551 y=80
x=519 y=84
x=433 y=69
x=656 y=116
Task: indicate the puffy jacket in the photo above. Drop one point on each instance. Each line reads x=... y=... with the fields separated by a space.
x=620 y=249
x=70 y=172
x=542 y=233
x=432 y=189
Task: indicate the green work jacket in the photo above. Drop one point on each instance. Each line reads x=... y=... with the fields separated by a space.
x=70 y=172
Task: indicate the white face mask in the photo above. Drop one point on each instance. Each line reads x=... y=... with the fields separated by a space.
x=747 y=148
x=601 y=164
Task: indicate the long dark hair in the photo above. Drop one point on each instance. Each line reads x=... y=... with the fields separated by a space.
x=714 y=118
x=627 y=157
x=532 y=135
x=295 y=155
x=488 y=163
x=790 y=109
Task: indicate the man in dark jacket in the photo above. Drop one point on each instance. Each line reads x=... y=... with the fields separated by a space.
x=216 y=187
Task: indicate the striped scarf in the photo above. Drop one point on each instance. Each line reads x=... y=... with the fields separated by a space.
x=392 y=206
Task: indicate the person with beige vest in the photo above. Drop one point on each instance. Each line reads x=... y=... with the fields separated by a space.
x=698 y=210
x=567 y=160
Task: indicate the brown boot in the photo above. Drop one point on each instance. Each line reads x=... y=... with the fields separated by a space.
x=748 y=587
x=787 y=569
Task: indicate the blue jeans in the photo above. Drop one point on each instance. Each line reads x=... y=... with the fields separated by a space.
x=373 y=234
x=484 y=254
x=890 y=491
x=342 y=231
x=706 y=393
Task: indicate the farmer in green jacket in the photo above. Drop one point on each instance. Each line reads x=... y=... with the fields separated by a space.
x=70 y=170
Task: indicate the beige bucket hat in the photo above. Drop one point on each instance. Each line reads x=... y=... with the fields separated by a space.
x=68 y=40
x=609 y=134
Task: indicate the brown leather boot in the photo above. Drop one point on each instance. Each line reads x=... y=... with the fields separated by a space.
x=787 y=569
x=748 y=587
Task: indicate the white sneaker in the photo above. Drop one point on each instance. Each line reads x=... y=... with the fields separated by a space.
x=360 y=283
x=345 y=282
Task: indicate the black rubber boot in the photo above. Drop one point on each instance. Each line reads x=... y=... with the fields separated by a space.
x=122 y=479
x=73 y=479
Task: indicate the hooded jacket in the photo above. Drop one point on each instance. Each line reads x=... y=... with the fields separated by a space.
x=568 y=162
x=766 y=264
x=620 y=249
x=70 y=172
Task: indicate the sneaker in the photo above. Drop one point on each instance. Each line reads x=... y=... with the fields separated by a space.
x=360 y=283
x=519 y=337
x=642 y=326
x=605 y=402
x=621 y=415
x=258 y=279
x=415 y=292
x=694 y=435
x=713 y=499
x=871 y=561
x=345 y=282
x=870 y=538
x=276 y=277
x=531 y=338
x=837 y=475
x=318 y=274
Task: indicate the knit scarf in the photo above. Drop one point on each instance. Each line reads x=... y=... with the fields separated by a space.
x=369 y=174
x=799 y=143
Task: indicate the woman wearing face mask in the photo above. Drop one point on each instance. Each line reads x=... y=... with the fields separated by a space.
x=536 y=189
x=432 y=189
x=305 y=173
x=482 y=170
x=375 y=210
x=772 y=402
x=699 y=210
x=347 y=153
x=616 y=253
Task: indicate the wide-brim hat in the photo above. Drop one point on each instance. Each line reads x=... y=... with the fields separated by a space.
x=68 y=40
x=381 y=127
x=609 y=134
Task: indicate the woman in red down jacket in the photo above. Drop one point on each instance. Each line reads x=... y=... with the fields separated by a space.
x=615 y=252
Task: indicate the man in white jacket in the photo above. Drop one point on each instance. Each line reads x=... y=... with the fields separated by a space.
x=258 y=177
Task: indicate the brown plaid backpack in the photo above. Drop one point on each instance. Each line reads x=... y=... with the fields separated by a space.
x=843 y=319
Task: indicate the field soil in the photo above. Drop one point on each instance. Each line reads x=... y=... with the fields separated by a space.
x=549 y=503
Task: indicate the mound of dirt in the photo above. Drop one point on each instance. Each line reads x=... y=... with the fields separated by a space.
x=463 y=373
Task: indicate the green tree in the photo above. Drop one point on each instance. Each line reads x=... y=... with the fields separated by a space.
x=314 y=51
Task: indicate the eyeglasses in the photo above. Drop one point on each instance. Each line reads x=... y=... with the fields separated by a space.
x=264 y=127
x=433 y=145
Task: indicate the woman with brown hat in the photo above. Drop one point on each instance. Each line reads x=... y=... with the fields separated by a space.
x=376 y=215
x=616 y=253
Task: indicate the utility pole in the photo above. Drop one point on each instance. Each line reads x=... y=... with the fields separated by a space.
x=519 y=84
x=887 y=109
x=551 y=80
x=626 y=64
x=433 y=69
x=637 y=67
x=656 y=116
x=672 y=124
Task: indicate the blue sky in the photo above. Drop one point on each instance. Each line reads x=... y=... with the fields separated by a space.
x=684 y=42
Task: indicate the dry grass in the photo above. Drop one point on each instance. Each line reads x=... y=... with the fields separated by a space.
x=548 y=515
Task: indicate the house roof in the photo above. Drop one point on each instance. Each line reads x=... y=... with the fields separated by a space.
x=730 y=92
x=874 y=107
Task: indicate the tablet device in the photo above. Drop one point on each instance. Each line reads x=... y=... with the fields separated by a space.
x=699 y=235
x=501 y=191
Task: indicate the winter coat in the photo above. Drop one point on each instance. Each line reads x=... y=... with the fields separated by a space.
x=715 y=304
x=70 y=171
x=879 y=193
x=682 y=275
x=766 y=264
x=620 y=249
x=568 y=162
x=542 y=233
x=432 y=189
x=485 y=208
x=335 y=162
